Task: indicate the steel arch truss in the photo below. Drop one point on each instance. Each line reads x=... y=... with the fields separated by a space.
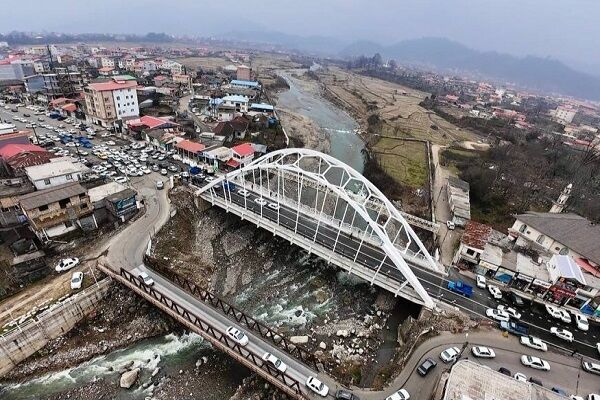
x=332 y=193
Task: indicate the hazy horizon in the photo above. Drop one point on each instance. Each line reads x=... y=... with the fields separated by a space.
x=564 y=30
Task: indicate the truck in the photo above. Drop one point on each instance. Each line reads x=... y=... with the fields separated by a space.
x=461 y=288
x=515 y=328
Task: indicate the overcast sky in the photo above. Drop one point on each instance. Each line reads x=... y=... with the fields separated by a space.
x=565 y=29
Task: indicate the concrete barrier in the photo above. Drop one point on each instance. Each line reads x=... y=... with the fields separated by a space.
x=31 y=336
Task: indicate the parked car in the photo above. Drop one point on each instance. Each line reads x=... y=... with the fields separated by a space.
x=593 y=396
x=450 y=355
x=535 y=381
x=160 y=185
x=520 y=377
x=426 y=366
x=451 y=225
x=146 y=279
x=535 y=363
x=510 y=311
x=495 y=292
x=401 y=394
x=564 y=316
x=497 y=315
x=274 y=361
x=481 y=282
x=317 y=386
x=76 y=280
x=343 y=394
x=505 y=371
x=562 y=333
x=66 y=264
x=591 y=367
x=237 y=335
x=534 y=343
x=163 y=171
x=483 y=352
x=582 y=322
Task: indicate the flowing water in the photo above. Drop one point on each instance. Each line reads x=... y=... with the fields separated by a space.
x=170 y=352
x=346 y=145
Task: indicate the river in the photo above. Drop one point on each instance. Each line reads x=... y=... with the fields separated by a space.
x=346 y=145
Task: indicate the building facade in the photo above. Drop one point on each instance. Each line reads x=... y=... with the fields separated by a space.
x=110 y=102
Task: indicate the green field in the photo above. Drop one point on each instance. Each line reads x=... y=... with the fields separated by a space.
x=404 y=161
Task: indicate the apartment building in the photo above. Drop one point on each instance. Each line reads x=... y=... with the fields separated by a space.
x=60 y=83
x=57 y=172
x=109 y=103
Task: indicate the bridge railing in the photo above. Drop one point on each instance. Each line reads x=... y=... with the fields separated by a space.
x=291 y=385
x=298 y=351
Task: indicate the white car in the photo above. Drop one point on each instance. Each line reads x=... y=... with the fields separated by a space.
x=593 y=368
x=553 y=311
x=483 y=352
x=76 y=280
x=121 y=179
x=449 y=355
x=273 y=206
x=593 y=396
x=564 y=316
x=451 y=225
x=163 y=171
x=146 y=278
x=276 y=362
x=582 y=322
x=534 y=343
x=510 y=311
x=66 y=264
x=317 y=386
x=598 y=347
x=241 y=192
x=535 y=363
x=573 y=397
x=498 y=315
x=481 y=282
x=260 y=202
x=401 y=394
x=237 y=335
x=520 y=377
x=562 y=333
x=495 y=292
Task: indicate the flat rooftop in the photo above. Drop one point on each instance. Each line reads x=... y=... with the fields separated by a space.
x=471 y=381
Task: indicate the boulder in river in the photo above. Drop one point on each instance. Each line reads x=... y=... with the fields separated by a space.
x=129 y=378
x=299 y=339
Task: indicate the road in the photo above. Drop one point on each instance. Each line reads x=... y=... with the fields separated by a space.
x=441 y=208
x=436 y=285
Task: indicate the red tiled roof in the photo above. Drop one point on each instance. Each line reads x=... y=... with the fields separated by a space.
x=105 y=69
x=150 y=122
x=69 y=107
x=244 y=149
x=13 y=149
x=112 y=85
x=232 y=163
x=476 y=235
x=192 y=147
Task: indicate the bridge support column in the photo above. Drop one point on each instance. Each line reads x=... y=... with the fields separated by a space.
x=201 y=204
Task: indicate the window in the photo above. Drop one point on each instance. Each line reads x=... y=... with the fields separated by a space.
x=64 y=203
x=68 y=224
x=69 y=177
x=82 y=196
x=43 y=208
x=118 y=98
x=540 y=239
x=523 y=228
x=564 y=251
x=471 y=252
x=84 y=206
x=46 y=181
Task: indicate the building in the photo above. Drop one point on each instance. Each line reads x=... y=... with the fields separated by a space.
x=59 y=210
x=244 y=73
x=108 y=103
x=189 y=151
x=565 y=234
x=458 y=200
x=14 y=69
x=245 y=84
x=17 y=157
x=469 y=380
x=564 y=114
x=238 y=103
x=49 y=86
x=241 y=155
x=113 y=202
x=57 y=172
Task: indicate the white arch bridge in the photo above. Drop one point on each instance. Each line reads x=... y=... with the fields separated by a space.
x=323 y=205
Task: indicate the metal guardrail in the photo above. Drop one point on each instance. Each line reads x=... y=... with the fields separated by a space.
x=288 y=384
x=301 y=353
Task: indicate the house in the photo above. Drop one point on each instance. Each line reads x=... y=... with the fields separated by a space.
x=235 y=128
x=189 y=151
x=262 y=108
x=113 y=202
x=245 y=84
x=150 y=122
x=17 y=157
x=559 y=233
x=241 y=155
x=458 y=200
x=57 y=172
x=56 y=211
x=243 y=73
x=239 y=103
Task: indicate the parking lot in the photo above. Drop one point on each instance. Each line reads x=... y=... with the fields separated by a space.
x=107 y=155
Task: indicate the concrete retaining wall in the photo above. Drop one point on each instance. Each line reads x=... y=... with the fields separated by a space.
x=22 y=342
